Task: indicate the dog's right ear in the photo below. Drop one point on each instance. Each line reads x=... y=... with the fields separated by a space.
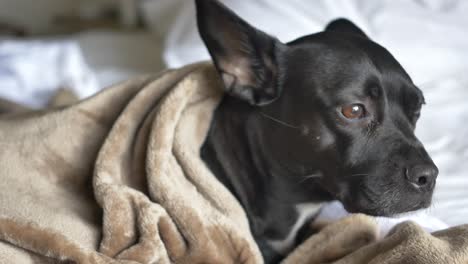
x=247 y=59
x=343 y=25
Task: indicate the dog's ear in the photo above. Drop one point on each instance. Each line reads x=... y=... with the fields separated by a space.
x=247 y=59
x=343 y=25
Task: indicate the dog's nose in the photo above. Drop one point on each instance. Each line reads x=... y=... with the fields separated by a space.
x=422 y=177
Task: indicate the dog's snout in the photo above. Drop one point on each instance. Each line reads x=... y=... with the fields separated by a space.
x=422 y=176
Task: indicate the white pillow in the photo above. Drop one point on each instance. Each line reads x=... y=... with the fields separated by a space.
x=426 y=36
x=31 y=71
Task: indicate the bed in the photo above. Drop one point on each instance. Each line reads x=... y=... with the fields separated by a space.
x=427 y=36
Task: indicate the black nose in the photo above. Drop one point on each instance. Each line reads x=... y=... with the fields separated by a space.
x=422 y=177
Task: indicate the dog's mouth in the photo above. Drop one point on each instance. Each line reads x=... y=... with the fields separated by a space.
x=386 y=202
x=385 y=206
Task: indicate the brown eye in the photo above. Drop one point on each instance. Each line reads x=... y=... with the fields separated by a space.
x=353 y=111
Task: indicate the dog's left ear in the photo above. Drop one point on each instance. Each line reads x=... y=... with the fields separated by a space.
x=247 y=59
x=343 y=25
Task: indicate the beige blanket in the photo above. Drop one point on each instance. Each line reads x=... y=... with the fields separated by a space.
x=117 y=178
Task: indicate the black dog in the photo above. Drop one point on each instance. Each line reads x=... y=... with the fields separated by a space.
x=328 y=116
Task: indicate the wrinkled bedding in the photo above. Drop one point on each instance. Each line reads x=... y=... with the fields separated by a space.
x=411 y=30
x=129 y=186
x=31 y=71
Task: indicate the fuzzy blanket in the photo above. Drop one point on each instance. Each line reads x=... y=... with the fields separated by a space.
x=117 y=178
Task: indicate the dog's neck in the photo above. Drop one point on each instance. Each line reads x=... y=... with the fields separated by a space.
x=235 y=152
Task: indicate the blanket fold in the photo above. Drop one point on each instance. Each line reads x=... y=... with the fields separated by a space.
x=117 y=178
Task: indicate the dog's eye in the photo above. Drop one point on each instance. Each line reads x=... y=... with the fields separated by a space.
x=353 y=111
x=415 y=116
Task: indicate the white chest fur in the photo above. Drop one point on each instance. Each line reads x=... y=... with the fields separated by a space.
x=305 y=211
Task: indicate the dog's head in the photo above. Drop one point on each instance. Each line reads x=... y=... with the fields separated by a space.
x=334 y=105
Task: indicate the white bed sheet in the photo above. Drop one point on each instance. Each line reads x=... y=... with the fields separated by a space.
x=32 y=70
x=428 y=37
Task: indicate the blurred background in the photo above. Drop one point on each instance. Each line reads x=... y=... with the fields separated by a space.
x=87 y=45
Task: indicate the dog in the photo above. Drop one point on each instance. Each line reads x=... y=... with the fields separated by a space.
x=327 y=116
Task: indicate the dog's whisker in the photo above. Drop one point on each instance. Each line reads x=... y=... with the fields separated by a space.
x=318 y=175
x=356 y=175
x=311 y=176
x=280 y=121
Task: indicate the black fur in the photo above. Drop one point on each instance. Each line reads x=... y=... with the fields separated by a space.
x=280 y=137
